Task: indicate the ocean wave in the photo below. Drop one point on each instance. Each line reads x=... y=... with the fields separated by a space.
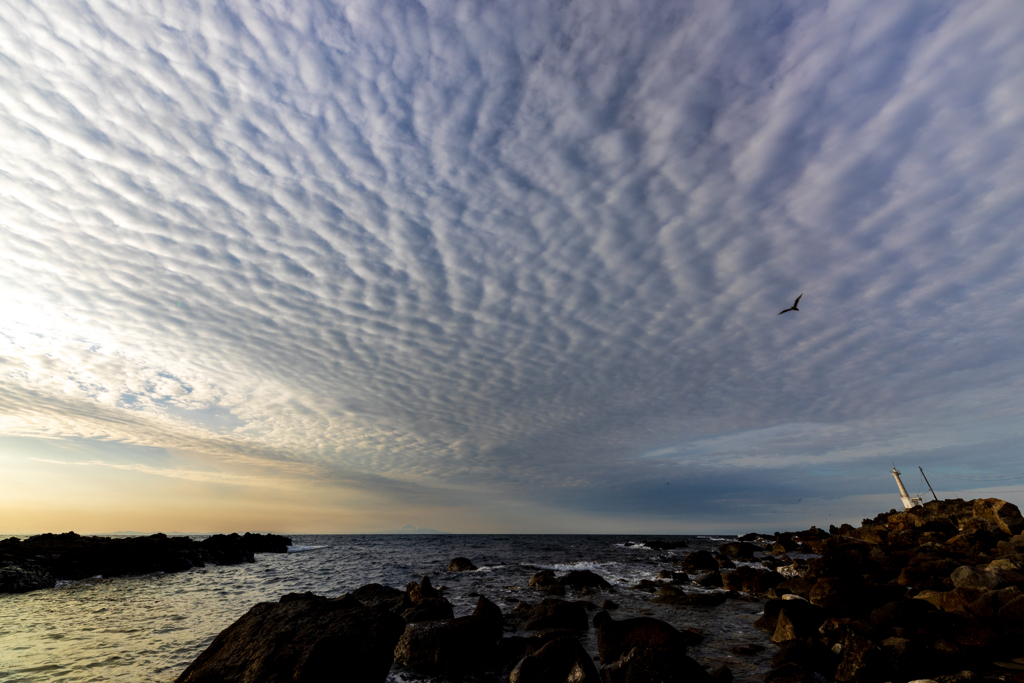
x=304 y=548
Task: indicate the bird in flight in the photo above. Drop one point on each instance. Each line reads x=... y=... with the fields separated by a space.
x=794 y=306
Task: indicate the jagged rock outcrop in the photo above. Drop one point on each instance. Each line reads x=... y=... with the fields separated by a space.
x=303 y=638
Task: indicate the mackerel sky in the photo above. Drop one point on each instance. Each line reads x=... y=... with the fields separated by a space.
x=506 y=266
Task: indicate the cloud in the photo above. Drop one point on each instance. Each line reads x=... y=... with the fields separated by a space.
x=511 y=248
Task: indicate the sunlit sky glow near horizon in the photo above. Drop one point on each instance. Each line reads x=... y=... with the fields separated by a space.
x=506 y=267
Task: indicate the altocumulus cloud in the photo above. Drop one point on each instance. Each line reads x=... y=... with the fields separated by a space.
x=533 y=249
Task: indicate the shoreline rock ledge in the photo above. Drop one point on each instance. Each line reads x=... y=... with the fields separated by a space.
x=40 y=561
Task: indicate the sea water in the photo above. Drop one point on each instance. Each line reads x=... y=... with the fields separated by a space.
x=149 y=628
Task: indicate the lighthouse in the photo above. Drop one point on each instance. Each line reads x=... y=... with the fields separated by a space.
x=908 y=502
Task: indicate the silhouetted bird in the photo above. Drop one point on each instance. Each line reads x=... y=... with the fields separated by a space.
x=794 y=306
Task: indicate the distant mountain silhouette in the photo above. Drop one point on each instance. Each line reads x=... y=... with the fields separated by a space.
x=410 y=529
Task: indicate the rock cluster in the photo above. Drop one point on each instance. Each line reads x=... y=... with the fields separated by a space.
x=930 y=592
x=40 y=561
x=360 y=636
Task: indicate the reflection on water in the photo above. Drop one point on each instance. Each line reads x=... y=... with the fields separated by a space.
x=149 y=628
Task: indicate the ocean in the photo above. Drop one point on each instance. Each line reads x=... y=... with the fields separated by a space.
x=149 y=628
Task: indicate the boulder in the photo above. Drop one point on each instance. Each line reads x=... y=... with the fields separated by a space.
x=584 y=579
x=429 y=609
x=860 y=661
x=693 y=599
x=617 y=638
x=956 y=600
x=661 y=664
x=303 y=638
x=562 y=660
x=386 y=597
x=699 y=562
x=550 y=613
x=709 y=580
x=835 y=596
x=461 y=564
x=452 y=647
x=986 y=578
x=740 y=550
x=546 y=581
x=1011 y=615
x=422 y=590
x=1006 y=516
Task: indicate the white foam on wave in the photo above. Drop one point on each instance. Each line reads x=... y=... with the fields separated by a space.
x=577 y=566
x=632 y=545
x=304 y=548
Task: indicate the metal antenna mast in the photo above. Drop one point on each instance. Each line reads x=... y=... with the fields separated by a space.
x=926 y=481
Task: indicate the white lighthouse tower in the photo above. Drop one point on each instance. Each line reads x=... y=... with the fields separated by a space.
x=908 y=502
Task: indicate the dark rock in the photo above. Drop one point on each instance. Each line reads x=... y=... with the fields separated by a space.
x=709 y=580
x=797 y=619
x=740 y=550
x=584 y=579
x=600 y=618
x=386 y=597
x=461 y=564
x=665 y=545
x=835 y=596
x=452 y=647
x=562 y=660
x=661 y=664
x=789 y=673
x=1011 y=615
x=721 y=674
x=550 y=613
x=988 y=604
x=546 y=581
x=303 y=638
x=616 y=638
x=39 y=561
x=699 y=562
x=429 y=609
x=693 y=599
x=904 y=613
x=608 y=604
x=860 y=661
x=747 y=650
x=421 y=591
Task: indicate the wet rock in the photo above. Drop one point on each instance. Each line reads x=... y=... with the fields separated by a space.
x=461 y=564
x=429 y=609
x=665 y=545
x=550 y=613
x=452 y=647
x=303 y=638
x=608 y=604
x=25 y=578
x=562 y=660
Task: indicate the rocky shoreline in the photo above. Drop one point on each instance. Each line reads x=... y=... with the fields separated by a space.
x=40 y=561
x=928 y=594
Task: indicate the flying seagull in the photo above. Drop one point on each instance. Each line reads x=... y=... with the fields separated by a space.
x=794 y=306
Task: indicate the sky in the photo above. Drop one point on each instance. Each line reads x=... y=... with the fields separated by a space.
x=516 y=267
